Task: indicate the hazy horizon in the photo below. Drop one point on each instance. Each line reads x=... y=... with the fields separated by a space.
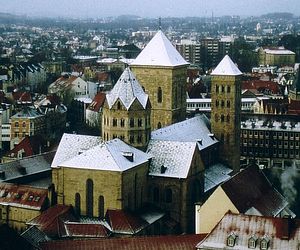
x=154 y=8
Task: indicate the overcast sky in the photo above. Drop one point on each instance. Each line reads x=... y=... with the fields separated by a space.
x=147 y=8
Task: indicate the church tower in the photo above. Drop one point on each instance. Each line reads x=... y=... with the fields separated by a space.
x=162 y=72
x=226 y=110
x=126 y=112
x=294 y=93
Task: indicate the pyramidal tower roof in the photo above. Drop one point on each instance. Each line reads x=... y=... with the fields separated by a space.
x=159 y=52
x=127 y=89
x=226 y=68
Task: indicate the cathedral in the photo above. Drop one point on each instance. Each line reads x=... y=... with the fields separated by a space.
x=149 y=153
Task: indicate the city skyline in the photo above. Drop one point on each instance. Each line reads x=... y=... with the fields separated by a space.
x=155 y=8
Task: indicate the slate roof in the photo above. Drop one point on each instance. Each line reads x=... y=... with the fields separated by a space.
x=34 y=236
x=169 y=242
x=282 y=233
x=27 y=112
x=175 y=157
x=22 y=196
x=88 y=152
x=226 y=67
x=127 y=89
x=76 y=229
x=159 y=52
x=250 y=188
x=97 y=102
x=26 y=167
x=71 y=145
x=195 y=129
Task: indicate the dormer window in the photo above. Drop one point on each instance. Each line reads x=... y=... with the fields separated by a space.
x=231 y=239
x=252 y=242
x=264 y=243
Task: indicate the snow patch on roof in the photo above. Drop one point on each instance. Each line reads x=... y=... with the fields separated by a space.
x=226 y=67
x=127 y=89
x=159 y=52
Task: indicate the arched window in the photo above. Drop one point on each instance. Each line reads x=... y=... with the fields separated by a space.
x=159 y=95
x=222 y=118
x=115 y=122
x=168 y=195
x=228 y=104
x=119 y=105
x=140 y=122
x=228 y=89
x=77 y=203
x=131 y=122
x=155 y=194
x=228 y=118
x=89 y=197
x=217 y=88
x=101 y=206
x=216 y=117
x=24 y=124
x=122 y=122
x=222 y=103
x=17 y=124
x=158 y=125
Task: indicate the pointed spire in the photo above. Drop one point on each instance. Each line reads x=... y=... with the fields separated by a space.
x=127 y=89
x=159 y=52
x=226 y=67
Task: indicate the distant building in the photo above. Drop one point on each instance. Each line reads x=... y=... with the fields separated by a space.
x=190 y=51
x=276 y=56
x=94 y=112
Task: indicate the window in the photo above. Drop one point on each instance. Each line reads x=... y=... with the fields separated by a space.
x=131 y=122
x=158 y=125
x=140 y=122
x=168 y=195
x=89 y=197
x=252 y=242
x=222 y=103
x=228 y=89
x=115 y=122
x=159 y=95
x=77 y=203
x=139 y=138
x=122 y=122
x=16 y=124
x=231 y=239
x=217 y=88
x=24 y=124
x=119 y=106
x=216 y=117
x=217 y=103
x=155 y=194
x=131 y=139
x=264 y=244
x=222 y=118
x=228 y=118
x=101 y=206
x=228 y=104
x=223 y=89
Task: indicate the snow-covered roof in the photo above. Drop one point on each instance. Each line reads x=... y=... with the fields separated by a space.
x=195 y=129
x=159 y=52
x=226 y=67
x=127 y=89
x=279 y=51
x=214 y=175
x=111 y=156
x=71 y=145
x=171 y=158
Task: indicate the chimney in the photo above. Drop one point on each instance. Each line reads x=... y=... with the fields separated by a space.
x=286 y=227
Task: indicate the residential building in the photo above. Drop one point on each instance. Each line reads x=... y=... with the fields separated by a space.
x=27 y=122
x=19 y=204
x=190 y=51
x=239 y=231
x=247 y=192
x=94 y=112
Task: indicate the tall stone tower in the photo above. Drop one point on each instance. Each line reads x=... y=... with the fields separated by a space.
x=126 y=112
x=162 y=72
x=294 y=93
x=226 y=110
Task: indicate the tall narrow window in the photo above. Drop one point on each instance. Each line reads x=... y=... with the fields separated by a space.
x=101 y=206
x=228 y=104
x=77 y=203
x=159 y=95
x=131 y=122
x=158 y=125
x=140 y=122
x=114 y=122
x=119 y=105
x=122 y=122
x=168 y=195
x=89 y=197
x=155 y=194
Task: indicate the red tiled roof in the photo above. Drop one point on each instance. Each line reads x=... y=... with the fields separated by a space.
x=250 y=188
x=20 y=96
x=124 y=222
x=48 y=221
x=261 y=86
x=283 y=233
x=97 y=102
x=294 y=107
x=22 y=196
x=178 y=242
x=74 y=229
x=272 y=106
